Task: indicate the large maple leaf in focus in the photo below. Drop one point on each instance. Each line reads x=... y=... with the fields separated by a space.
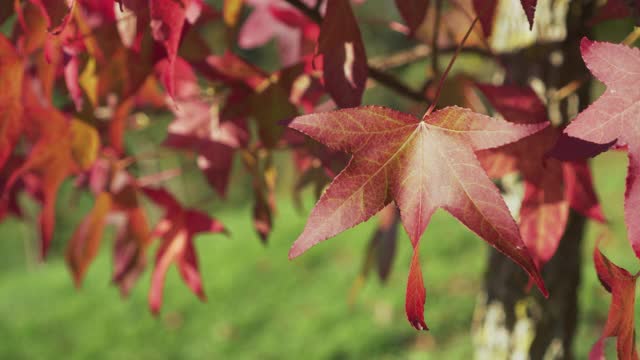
x=620 y=322
x=551 y=186
x=422 y=165
x=615 y=116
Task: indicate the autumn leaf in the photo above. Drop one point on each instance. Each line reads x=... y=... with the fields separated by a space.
x=57 y=13
x=486 y=10
x=60 y=148
x=9 y=204
x=617 y=9
x=344 y=58
x=422 y=165
x=133 y=235
x=177 y=229
x=167 y=21
x=413 y=12
x=551 y=186
x=11 y=77
x=615 y=116
x=382 y=246
x=294 y=33
x=197 y=128
x=620 y=322
x=529 y=7
x=85 y=241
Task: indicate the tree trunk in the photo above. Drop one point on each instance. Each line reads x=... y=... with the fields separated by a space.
x=510 y=322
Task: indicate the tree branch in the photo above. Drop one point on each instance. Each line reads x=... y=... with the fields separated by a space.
x=422 y=51
x=381 y=77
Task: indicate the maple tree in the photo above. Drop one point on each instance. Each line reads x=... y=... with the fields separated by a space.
x=76 y=74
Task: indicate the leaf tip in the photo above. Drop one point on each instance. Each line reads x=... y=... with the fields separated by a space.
x=419 y=325
x=294 y=252
x=536 y=277
x=585 y=45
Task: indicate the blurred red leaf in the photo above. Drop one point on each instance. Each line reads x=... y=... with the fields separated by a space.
x=620 y=322
x=85 y=241
x=177 y=228
x=167 y=21
x=413 y=12
x=551 y=186
x=486 y=10
x=11 y=77
x=343 y=55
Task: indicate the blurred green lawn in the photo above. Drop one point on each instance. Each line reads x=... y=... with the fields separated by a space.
x=262 y=306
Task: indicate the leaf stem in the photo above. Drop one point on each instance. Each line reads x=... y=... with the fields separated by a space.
x=446 y=72
x=435 y=52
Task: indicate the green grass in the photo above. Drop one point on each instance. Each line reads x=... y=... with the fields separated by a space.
x=262 y=306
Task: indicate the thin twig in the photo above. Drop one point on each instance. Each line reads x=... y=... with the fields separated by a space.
x=418 y=52
x=446 y=72
x=485 y=41
x=435 y=68
x=401 y=58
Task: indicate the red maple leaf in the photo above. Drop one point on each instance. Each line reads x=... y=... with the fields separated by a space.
x=620 y=322
x=294 y=33
x=117 y=203
x=177 y=229
x=614 y=117
x=60 y=147
x=422 y=165
x=11 y=76
x=85 y=241
x=167 y=21
x=551 y=186
x=197 y=128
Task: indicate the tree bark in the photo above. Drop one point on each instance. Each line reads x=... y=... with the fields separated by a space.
x=510 y=322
